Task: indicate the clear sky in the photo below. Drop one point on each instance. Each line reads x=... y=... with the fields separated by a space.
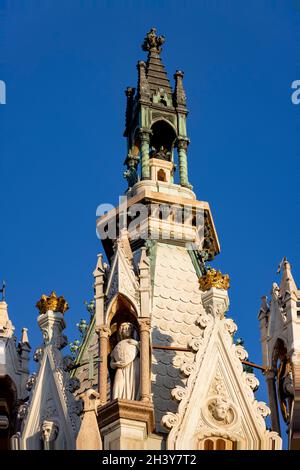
x=66 y=64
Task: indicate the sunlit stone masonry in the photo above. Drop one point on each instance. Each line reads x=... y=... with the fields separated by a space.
x=157 y=366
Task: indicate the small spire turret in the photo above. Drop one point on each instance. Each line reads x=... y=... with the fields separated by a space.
x=156 y=120
x=288 y=284
x=179 y=93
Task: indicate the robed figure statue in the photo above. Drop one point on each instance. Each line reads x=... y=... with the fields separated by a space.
x=125 y=359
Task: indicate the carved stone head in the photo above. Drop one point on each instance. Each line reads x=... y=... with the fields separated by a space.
x=49 y=430
x=219 y=409
x=125 y=330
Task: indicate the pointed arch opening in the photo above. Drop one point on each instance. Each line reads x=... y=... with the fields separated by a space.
x=121 y=310
x=162 y=140
x=123 y=360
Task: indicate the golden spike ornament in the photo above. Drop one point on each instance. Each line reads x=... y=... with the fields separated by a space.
x=214 y=278
x=52 y=302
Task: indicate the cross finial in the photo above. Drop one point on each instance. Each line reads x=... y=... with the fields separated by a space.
x=153 y=43
x=3 y=291
x=280 y=266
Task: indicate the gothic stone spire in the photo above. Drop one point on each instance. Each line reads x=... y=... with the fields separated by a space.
x=156 y=73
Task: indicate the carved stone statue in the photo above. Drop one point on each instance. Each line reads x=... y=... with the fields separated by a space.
x=125 y=359
x=285 y=388
x=161 y=154
x=131 y=173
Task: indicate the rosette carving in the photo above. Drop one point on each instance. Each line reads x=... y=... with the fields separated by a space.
x=169 y=420
x=38 y=354
x=204 y=320
x=23 y=411
x=241 y=353
x=187 y=368
x=178 y=393
x=262 y=409
x=252 y=381
x=195 y=343
x=31 y=381
x=230 y=326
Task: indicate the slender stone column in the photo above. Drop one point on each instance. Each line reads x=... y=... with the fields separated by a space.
x=99 y=274
x=270 y=379
x=104 y=333
x=145 y=140
x=182 y=145
x=145 y=325
x=15 y=442
x=145 y=283
x=294 y=425
x=89 y=437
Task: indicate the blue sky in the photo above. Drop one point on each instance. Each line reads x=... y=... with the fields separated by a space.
x=66 y=65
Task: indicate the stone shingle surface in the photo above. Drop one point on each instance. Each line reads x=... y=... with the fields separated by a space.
x=176 y=307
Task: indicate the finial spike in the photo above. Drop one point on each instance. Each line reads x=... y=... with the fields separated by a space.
x=24 y=338
x=281 y=265
x=288 y=283
x=144 y=259
x=3 y=291
x=179 y=93
x=99 y=270
x=264 y=308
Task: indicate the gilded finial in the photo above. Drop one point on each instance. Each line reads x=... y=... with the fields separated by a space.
x=52 y=302
x=153 y=43
x=214 y=278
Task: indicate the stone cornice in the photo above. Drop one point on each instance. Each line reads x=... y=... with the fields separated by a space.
x=126 y=409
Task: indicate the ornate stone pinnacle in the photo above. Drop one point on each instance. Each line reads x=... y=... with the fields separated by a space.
x=214 y=278
x=152 y=42
x=52 y=302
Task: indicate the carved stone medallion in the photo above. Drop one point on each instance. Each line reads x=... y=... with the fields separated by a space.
x=220 y=412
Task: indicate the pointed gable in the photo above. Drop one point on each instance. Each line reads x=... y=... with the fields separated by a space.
x=51 y=416
x=49 y=402
x=121 y=281
x=218 y=399
x=122 y=278
x=288 y=285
